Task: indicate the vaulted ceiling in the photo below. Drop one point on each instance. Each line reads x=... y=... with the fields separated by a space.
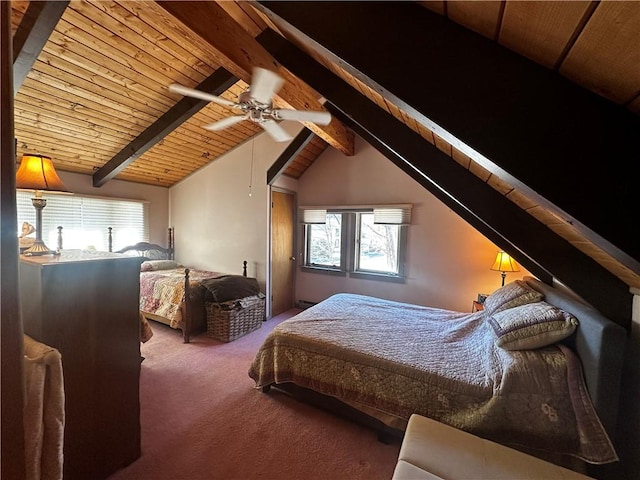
x=91 y=77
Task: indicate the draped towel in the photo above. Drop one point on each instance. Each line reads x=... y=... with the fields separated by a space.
x=43 y=411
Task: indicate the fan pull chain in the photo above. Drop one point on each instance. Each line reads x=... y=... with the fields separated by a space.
x=253 y=143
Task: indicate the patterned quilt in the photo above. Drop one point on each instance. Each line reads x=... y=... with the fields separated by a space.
x=392 y=359
x=162 y=291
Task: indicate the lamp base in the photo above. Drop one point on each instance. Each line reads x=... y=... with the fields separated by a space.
x=38 y=248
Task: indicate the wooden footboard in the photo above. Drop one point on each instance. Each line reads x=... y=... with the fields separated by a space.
x=198 y=321
x=187 y=318
x=193 y=311
x=194 y=314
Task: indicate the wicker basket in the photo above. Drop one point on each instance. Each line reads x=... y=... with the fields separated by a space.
x=228 y=321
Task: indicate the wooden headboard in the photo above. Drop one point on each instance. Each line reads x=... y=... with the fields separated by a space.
x=152 y=251
x=600 y=344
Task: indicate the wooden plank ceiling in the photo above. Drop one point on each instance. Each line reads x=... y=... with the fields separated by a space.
x=101 y=81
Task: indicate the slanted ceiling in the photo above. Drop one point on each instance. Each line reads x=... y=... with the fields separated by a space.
x=97 y=91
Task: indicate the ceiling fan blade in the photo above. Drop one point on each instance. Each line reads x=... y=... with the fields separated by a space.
x=264 y=85
x=191 y=92
x=278 y=133
x=225 y=122
x=318 y=117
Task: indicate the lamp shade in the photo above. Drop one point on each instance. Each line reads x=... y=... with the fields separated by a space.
x=36 y=172
x=504 y=263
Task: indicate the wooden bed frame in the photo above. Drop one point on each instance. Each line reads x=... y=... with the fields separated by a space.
x=598 y=342
x=194 y=316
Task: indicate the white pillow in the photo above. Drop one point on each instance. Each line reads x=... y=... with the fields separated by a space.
x=511 y=295
x=530 y=326
x=152 y=265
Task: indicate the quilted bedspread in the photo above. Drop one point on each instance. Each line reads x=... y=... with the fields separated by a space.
x=392 y=359
x=162 y=291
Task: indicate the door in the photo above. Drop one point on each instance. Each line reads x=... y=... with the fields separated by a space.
x=282 y=251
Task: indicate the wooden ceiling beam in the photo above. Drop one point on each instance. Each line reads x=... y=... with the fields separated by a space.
x=239 y=52
x=560 y=144
x=289 y=155
x=40 y=19
x=503 y=222
x=217 y=83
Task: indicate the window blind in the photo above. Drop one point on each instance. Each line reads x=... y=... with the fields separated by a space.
x=396 y=214
x=392 y=215
x=313 y=216
x=85 y=220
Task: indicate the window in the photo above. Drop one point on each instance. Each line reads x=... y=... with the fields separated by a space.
x=376 y=246
x=85 y=220
x=364 y=242
x=324 y=243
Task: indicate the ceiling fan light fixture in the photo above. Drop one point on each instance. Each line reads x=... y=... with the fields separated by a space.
x=256 y=104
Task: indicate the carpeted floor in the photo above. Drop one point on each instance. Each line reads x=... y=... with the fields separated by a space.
x=202 y=419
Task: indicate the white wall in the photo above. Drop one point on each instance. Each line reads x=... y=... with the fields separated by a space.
x=217 y=224
x=158 y=198
x=448 y=261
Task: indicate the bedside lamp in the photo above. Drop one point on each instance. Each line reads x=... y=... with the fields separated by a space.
x=36 y=172
x=504 y=263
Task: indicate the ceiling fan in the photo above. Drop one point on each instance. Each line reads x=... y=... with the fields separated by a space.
x=256 y=104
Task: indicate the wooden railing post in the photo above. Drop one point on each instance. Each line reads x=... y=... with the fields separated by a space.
x=186 y=321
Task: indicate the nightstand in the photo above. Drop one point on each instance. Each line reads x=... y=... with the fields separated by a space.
x=477 y=306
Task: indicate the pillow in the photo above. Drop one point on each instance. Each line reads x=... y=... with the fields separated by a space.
x=511 y=295
x=530 y=326
x=152 y=265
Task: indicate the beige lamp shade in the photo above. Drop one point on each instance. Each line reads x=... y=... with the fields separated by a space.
x=36 y=172
x=504 y=263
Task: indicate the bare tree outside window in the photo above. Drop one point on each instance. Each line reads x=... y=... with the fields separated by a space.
x=324 y=241
x=378 y=246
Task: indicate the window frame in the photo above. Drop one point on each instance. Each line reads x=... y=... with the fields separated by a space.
x=363 y=273
x=341 y=269
x=350 y=234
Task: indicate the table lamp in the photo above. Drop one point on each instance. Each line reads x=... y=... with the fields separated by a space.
x=504 y=263
x=36 y=173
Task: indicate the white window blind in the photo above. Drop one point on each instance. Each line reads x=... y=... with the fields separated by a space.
x=85 y=220
x=392 y=215
x=313 y=216
x=396 y=214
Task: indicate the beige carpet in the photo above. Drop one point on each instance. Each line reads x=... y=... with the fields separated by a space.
x=202 y=419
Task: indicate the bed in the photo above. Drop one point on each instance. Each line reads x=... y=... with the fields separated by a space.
x=547 y=387
x=169 y=292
